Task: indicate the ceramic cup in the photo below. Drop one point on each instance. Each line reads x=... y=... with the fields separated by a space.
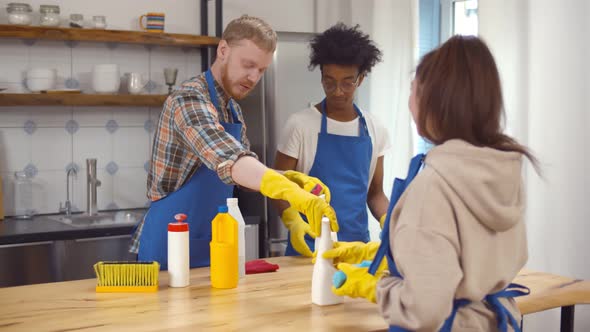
x=154 y=22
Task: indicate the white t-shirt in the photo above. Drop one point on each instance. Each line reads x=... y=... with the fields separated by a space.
x=300 y=137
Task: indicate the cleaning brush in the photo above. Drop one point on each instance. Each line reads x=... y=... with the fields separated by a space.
x=126 y=277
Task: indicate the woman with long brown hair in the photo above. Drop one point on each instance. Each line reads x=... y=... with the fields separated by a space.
x=455 y=236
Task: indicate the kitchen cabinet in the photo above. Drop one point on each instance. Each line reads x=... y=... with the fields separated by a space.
x=52 y=261
x=27 y=263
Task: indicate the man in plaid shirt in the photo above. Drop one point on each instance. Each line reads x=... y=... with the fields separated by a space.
x=201 y=150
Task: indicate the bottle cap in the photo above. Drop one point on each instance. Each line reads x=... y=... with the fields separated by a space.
x=180 y=225
x=222 y=209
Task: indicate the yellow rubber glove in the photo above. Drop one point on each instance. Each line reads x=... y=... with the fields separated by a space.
x=277 y=186
x=359 y=282
x=308 y=183
x=382 y=220
x=352 y=252
x=298 y=228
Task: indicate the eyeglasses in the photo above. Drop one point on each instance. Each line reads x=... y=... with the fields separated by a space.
x=346 y=86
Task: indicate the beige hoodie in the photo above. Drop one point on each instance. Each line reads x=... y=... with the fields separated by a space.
x=457 y=232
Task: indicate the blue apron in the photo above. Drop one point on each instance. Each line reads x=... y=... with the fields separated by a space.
x=343 y=163
x=198 y=198
x=504 y=317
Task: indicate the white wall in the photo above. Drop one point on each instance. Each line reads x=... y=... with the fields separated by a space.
x=542 y=51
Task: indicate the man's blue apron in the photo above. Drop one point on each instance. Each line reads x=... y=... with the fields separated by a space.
x=504 y=317
x=343 y=163
x=198 y=198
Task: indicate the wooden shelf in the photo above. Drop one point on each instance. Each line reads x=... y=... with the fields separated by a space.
x=108 y=36
x=42 y=99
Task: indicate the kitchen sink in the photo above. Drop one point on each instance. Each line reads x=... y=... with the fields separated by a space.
x=122 y=218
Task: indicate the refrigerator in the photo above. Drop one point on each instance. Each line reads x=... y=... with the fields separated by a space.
x=286 y=88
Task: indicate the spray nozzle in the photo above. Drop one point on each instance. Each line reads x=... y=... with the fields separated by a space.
x=180 y=217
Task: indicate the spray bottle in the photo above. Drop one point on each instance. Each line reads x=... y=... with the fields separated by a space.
x=323 y=270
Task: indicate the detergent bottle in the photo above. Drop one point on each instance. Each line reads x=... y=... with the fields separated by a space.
x=224 y=250
x=234 y=211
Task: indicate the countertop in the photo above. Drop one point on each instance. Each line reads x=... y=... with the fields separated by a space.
x=276 y=301
x=279 y=301
x=43 y=228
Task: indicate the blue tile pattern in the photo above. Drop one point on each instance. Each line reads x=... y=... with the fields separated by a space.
x=112 y=168
x=31 y=170
x=150 y=86
x=72 y=126
x=72 y=83
x=149 y=126
x=29 y=127
x=112 y=126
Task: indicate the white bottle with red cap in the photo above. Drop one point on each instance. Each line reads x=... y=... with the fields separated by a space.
x=178 y=252
x=234 y=211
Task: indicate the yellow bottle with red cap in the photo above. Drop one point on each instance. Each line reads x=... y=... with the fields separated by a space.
x=224 y=250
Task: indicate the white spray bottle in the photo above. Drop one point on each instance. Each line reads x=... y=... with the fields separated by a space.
x=234 y=211
x=323 y=270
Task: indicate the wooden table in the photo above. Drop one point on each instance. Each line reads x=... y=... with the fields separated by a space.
x=262 y=302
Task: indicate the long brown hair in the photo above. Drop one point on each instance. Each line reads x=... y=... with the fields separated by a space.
x=460 y=96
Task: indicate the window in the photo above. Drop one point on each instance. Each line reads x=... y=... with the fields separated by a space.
x=458 y=17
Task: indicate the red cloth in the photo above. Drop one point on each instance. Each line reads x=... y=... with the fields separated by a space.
x=260 y=266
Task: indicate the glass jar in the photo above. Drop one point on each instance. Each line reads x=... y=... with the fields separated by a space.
x=23 y=196
x=76 y=21
x=49 y=15
x=100 y=22
x=19 y=13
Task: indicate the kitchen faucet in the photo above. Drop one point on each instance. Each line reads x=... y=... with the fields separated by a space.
x=67 y=208
x=91 y=184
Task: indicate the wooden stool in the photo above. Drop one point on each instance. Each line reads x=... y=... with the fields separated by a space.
x=549 y=291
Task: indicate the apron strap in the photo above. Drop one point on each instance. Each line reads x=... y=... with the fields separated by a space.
x=399 y=186
x=363 y=129
x=215 y=99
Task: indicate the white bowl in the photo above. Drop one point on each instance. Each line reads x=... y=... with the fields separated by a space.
x=40 y=79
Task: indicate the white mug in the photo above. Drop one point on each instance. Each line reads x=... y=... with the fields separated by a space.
x=135 y=83
x=105 y=78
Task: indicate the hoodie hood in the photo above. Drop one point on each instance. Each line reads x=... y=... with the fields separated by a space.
x=473 y=172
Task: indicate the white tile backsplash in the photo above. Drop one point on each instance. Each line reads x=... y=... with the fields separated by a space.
x=49 y=189
x=13 y=60
x=90 y=116
x=130 y=187
x=131 y=148
x=51 y=116
x=15 y=149
x=51 y=149
x=13 y=116
x=131 y=58
x=93 y=143
x=131 y=116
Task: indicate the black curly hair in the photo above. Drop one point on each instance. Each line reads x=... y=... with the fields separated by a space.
x=343 y=45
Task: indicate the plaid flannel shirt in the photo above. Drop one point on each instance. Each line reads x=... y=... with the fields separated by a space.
x=190 y=135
